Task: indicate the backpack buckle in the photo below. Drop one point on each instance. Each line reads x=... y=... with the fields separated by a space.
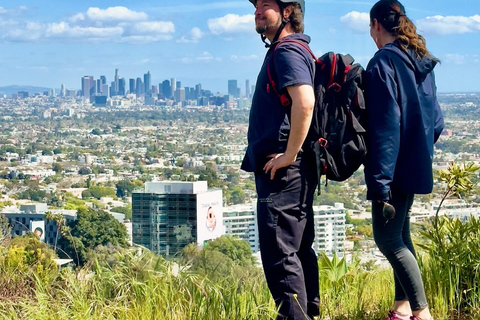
x=336 y=87
x=322 y=142
x=285 y=101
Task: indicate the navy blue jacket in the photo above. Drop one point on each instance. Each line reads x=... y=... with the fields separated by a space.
x=404 y=121
x=269 y=128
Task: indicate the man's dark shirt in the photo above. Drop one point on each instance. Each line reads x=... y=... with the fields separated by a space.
x=269 y=127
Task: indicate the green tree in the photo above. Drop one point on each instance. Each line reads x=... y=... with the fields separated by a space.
x=57 y=167
x=91 y=229
x=84 y=171
x=99 y=192
x=237 y=196
x=124 y=188
x=237 y=250
x=97 y=132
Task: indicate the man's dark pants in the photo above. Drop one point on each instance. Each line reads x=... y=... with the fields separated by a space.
x=286 y=232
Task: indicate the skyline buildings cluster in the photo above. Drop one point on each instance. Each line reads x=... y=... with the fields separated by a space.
x=166 y=90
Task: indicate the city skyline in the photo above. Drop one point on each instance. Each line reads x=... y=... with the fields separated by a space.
x=208 y=42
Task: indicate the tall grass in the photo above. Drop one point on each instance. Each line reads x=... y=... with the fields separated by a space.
x=145 y=286
x=451 y=267
x=148 y=287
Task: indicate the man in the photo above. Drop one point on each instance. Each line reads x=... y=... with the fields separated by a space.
x=282 y=159
x=38 y=232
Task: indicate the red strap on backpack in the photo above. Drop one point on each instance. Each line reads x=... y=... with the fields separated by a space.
x=285 y=99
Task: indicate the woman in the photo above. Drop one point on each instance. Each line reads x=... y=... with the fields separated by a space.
x=404 y=121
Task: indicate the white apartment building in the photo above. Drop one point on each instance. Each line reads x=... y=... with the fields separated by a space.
x=329 y=229
x=241 y=221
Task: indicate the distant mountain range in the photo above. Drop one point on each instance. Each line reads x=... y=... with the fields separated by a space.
x=9 y=90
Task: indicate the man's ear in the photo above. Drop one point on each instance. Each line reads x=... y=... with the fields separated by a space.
x=287 y=11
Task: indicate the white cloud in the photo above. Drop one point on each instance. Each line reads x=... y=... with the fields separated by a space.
x=251 y=57
x=116 y=24
x=232 y=24
x=13 y=11
x=115 y=14
x=205 y=57
x=461 y=59
x=449 y=25
x=153 y=27
x=64 y=30
x=455 y=58
x=141 y=62
x=192 y=37
x=356 y=21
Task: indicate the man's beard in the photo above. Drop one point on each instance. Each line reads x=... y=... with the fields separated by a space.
x=267 y=26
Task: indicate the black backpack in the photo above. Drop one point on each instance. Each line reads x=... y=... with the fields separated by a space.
x=338 y=124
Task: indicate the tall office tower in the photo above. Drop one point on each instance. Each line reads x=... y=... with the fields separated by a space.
x=131 y=86
x=88 y=86
x=233 y=88
x=98 y=86
x=63 y=92
x=187 y=93
x=167 y=90
x=173 y=84
x=198 y=91
x=104 y=90
x=247 y=88
x=140 y=86
x=147 y=82
x=330 y=228
x=112 y=89
x=103 y=79
x=154 y=90
x=179 y=84
x=121 y=86
x=71 y=93
x=117 y=79
x=180 y=95
x=169 y=215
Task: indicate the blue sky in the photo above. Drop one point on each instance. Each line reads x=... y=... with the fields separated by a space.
x=50 y=42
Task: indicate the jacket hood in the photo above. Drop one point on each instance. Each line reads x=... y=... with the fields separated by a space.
x=421 y=65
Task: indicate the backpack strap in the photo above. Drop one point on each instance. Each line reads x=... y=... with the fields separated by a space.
x=284 y=97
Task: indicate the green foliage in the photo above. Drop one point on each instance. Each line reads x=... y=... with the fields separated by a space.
x=125 y=188
x=91 y=229
x=57 y=167
x=332 y=194
x=453 y=249
x=220 y=257
x=347 y=291
x=84 y=171
x=24 y=263
x=453 y=279
x=97 y=132
x=127 y=211
x=99 y=192
x=234 y=194
x=144 y=287
x=237 y=250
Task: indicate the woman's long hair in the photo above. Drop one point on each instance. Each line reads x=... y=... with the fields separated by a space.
x=391 y=15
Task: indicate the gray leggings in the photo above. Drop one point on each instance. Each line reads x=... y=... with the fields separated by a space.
x=394 y=241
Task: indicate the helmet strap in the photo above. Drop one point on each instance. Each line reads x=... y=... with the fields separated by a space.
x=280 y=29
